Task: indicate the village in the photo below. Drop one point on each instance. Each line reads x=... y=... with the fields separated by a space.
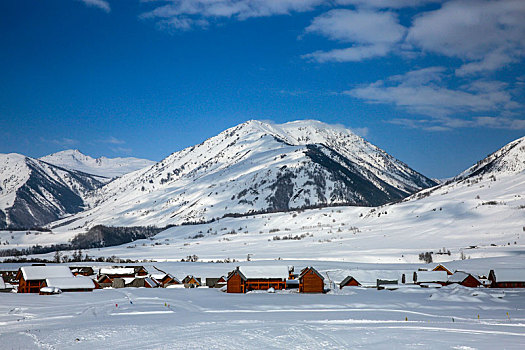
x=58 y=278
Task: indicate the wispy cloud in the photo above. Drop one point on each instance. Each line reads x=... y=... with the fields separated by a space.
x=425 y=92
x=487 y=35
x=122 y=150
x=188 y=14
x=113 y=140
x=371 y=33
x=446 y=124
x=63 y=142
x=101 y=4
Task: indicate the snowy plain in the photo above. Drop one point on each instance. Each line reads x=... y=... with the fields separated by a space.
x=203 y=318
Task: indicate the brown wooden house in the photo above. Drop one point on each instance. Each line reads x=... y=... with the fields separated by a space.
x=311 y=281
x=117 y=272
x=32 y=278
x=441 y=267
x=140 y=270
x=349 y=281
x=191 y=281
x=104 y=281
x=247 y=278
x=165 y=280
x=82 y=270
x=465 y=279
x=215 y=282
x=507 y=278
x=71 y=284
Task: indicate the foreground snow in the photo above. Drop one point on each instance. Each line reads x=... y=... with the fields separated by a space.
x=209 y=319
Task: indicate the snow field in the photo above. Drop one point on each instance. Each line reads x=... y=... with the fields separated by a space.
x=209 y=319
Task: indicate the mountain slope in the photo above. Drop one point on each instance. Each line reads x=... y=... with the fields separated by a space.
x=481 y=214
x=250 y=168
x=33 y=192
x=106 y=167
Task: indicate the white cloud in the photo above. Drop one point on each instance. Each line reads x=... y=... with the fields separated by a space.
x=425 y=92
x=113 y=140
x=63 y=142
x=382 y=4
x=349 y=54
x=121 y=150
x=446 y=124
x=487 y=35
x=372 y=34
x=186 y=14
x=101 y=4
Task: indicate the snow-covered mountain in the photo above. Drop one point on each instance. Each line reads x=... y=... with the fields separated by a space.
x=106 y=167
x=33 y=192
x=509 y=159
x=254 y=167
x=476 y=215
x=507 y=163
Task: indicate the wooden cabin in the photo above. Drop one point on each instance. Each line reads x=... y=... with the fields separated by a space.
x=82 y=270
x=142 y=282
x=507 y=278
x=311 y=281
x=191 y=281
x=71 y=284
x=104 y=281
x=166 y=279
x=349 y=281
x=215 y=282
x=117 y=272
x=441 y=267
x=247 y=278
x=465 y=279
x=32 y=278
x=140 y=270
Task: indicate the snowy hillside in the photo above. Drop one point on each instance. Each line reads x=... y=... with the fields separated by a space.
x=107 y=167
x=33 y=192
x=480 y=216
x=254 y=167
x=509 y=159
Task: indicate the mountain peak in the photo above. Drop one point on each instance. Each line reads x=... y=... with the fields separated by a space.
x=508 y=160
x=73 y=159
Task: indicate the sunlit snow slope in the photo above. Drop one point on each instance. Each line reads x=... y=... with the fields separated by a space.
x=107 y=167
x=479 y=214
x=33 y=192
x=254 y=167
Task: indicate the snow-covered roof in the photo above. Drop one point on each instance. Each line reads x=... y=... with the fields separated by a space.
x=151 y=282
x=2 y=284
x=65 y=283
x=432 y=276
x=255 y=272
x=43 y=272
x=52 y=290
x=370 y=277
x=459 y=276
x=509 y=275
x=117 y=271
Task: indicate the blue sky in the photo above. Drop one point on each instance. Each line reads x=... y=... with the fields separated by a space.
x=437 y=84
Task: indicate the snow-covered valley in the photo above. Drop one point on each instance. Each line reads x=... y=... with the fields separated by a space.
x=453 y=317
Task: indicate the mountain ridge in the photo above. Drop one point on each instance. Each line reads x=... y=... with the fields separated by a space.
x=34 y=192
x=253 y=167
x=73 y=159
